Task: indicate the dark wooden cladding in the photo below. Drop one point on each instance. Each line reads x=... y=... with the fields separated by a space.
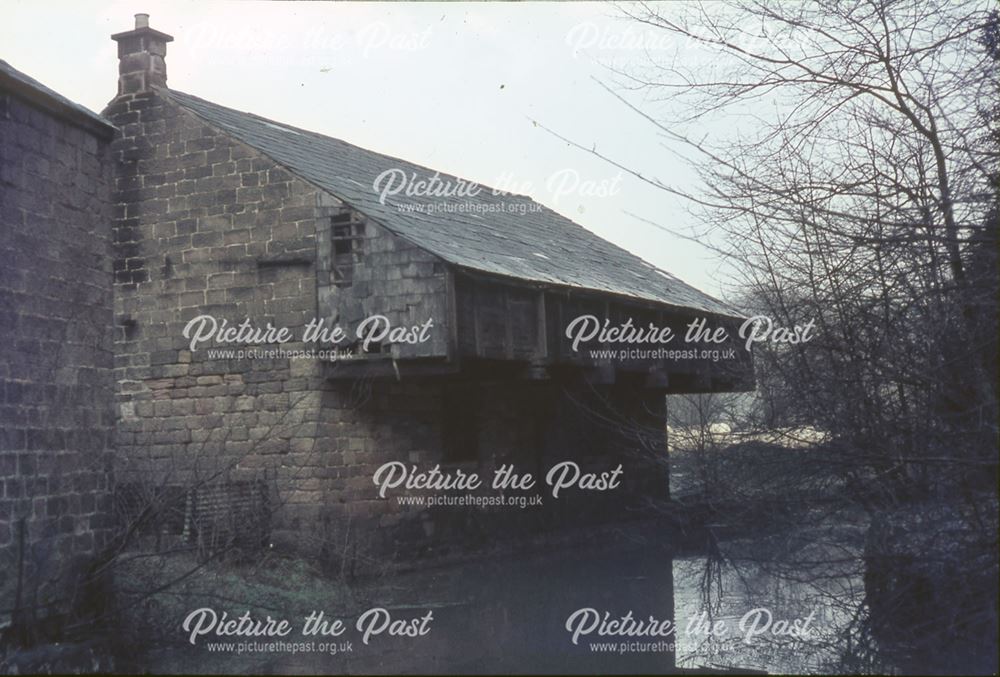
x=523 y=329
x=499 y=321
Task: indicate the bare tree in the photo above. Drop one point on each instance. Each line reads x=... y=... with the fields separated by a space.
x=857 y=189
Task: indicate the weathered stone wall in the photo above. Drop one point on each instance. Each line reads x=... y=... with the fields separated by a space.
x=208 y=226
x=389 y=277
x=56 y=393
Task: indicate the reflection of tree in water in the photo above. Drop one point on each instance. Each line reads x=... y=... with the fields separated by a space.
x=793 y=577
x=902 y=589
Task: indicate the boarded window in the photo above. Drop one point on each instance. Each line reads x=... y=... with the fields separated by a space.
x=213 y=516
x=347 y=236
x=227 y=514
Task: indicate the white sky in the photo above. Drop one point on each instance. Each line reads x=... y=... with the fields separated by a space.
x=454 y=86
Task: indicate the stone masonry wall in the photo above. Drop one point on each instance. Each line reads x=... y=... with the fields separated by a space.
x=56 y=395
x=208 y=226
x=390 y=277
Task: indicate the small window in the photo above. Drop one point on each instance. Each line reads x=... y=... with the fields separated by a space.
x=343 y=243
x=460 y=424
x=347 y=234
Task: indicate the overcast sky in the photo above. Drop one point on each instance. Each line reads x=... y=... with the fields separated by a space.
x=457 y=87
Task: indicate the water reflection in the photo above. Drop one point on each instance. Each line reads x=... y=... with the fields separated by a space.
x=770 y=621
x=509 y=615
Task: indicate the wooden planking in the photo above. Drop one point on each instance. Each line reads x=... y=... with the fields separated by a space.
x=506 y=322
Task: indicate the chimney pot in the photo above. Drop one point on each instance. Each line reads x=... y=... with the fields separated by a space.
x=141 y=57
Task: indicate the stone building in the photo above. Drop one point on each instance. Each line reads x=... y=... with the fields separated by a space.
x=56 y=390
x=226 y=214
x=224 y=220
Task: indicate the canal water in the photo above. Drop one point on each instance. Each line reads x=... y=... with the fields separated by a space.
x=510 y=615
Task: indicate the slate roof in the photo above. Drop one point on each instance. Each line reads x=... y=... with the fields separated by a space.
x=507 y=238
x=31 y=89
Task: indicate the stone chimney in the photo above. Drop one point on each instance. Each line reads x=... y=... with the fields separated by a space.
x=141 y=54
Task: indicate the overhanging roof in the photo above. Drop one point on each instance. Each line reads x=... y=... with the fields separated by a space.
x=494 y=234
